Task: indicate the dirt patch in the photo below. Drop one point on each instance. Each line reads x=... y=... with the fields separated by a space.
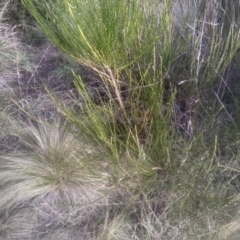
x=49 y=70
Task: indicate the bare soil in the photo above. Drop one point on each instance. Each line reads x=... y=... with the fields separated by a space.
x=32 y=89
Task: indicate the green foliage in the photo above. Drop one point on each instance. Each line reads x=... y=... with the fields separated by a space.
x=155 y=121
x=141 y=60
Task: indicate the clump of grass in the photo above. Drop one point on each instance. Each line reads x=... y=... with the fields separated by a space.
x=48 y=184
x=114 y=229
x=134 y=57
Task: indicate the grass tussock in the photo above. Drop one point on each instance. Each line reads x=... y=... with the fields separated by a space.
x=47 y=182
x=149 y=146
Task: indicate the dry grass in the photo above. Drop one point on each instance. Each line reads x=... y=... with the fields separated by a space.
x=48 y=184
